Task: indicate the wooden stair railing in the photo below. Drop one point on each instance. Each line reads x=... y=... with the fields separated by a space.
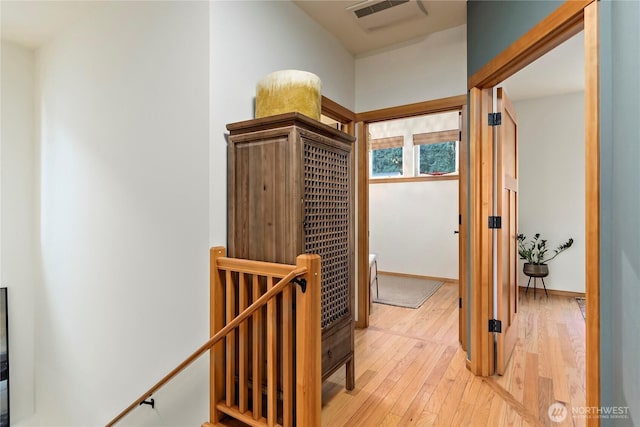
x=261 y=373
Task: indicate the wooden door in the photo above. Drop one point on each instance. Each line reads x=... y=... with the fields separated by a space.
x=507 y=208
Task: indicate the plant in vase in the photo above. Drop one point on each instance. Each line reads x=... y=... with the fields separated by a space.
x=534 y=252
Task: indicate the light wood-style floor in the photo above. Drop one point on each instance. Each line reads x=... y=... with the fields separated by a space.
x=410 y=369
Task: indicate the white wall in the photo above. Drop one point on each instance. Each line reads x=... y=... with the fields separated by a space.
x=433 y=68
x=250 y=39
x=411 y=227
x=551 y=182
x=17 y=239
x=124 y=124
x=132 y=102
x=411 y=224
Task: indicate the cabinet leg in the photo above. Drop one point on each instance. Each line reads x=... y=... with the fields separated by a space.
x=351 y=375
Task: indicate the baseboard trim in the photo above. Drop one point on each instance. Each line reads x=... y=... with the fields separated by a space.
x=557 y=292
x=417 y=276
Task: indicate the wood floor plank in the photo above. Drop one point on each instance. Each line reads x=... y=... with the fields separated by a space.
x=372 y=401
x=426 y=419
x=530 y=397
x=545 y=399
x=391 y=420
x=511 y=402
x=482 y=407
x=450 y=405
x=530 y=332
x=347 y=404
x=471 y=392
x=410 y=370
x=513 y=418
x=443 y=388
x=415 y=409
x=560 y=389
x=414 y=384
x=496 y=413
x=462 y=417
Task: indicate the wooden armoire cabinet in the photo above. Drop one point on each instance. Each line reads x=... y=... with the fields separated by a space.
x=290 y=191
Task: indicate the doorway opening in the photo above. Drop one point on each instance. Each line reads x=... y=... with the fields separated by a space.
x=550 y=192
x=565 y=22
x=366 y=122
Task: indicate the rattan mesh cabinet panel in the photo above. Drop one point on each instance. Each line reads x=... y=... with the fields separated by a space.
x=326 y=224
x=290 y=191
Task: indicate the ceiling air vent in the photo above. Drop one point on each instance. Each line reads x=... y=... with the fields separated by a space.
x=376 y=14
x=378 y=7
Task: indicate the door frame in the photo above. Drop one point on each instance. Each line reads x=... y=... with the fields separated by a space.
x=347 y=118
x=339 y=113
x=569 y=19
x=410 y=110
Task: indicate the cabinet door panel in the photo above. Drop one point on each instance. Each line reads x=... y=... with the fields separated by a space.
x=264 y=225
x=327 y=226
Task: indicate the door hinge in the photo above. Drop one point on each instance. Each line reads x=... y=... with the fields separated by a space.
x=460 y=219
x=495 y=326
x=459 y=302
x=495 y=119
x=495 y=222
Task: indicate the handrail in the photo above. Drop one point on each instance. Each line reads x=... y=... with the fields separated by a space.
x=213 y=340
x=247 y=266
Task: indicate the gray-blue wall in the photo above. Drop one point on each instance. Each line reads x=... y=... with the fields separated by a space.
x=494 y=25
x=620 y=145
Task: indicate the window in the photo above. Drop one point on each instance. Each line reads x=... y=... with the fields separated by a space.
x=437 y=159
x=387 y=162
x=386 y=156
x=436 y=153
x=419 y=146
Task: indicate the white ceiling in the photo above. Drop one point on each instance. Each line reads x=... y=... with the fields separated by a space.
x=335 y=18
x=32 y=23
x=559 y=71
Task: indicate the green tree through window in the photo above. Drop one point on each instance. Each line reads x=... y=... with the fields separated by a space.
x=438 y=158
x=387 y=162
